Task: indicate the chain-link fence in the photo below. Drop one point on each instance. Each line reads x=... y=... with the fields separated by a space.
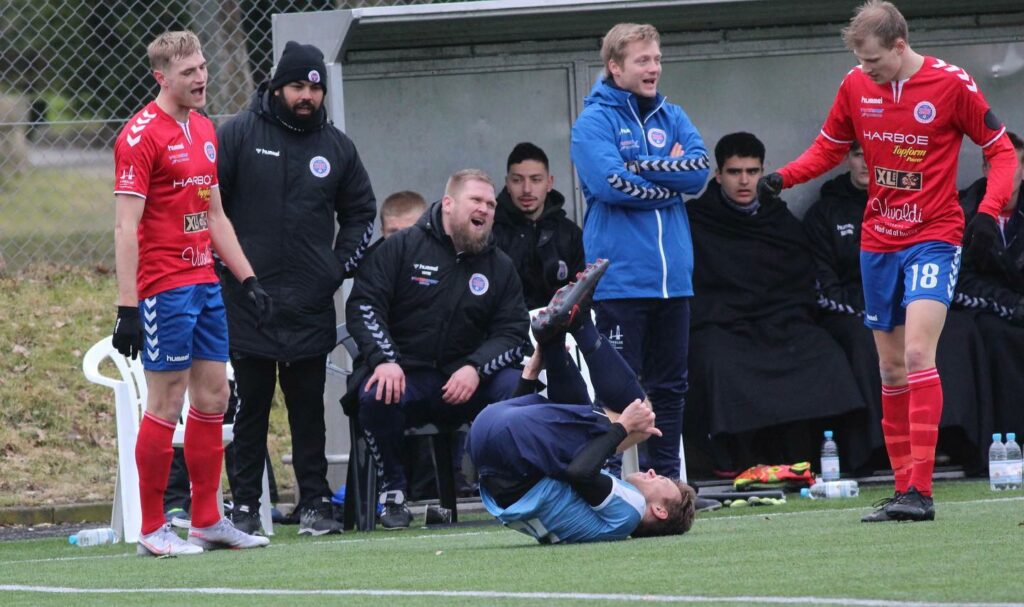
x=71 y=74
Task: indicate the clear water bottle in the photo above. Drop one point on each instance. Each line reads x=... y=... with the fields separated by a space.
x=1014 y=463
x=829 y=458
x=997 y=463
x=831 y=490
x=93 y=537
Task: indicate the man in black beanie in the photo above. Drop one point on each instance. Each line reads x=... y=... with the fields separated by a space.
x=286 y=176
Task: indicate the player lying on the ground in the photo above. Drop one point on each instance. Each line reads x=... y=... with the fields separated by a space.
x=540 y=461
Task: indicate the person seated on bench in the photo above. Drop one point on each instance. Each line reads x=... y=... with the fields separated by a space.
x=540 y=459
x=438 y=314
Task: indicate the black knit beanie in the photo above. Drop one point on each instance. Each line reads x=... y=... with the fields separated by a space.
x=300 y=62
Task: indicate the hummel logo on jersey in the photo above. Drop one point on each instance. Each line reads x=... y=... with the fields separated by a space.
x=195 y=222
x=176 y=147
x=872 y=100
x=845 y=229
x=265 y=152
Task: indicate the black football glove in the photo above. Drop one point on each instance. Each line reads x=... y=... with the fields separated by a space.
x=769 y=187
x=127 y=337
x=258 y=296
x=983 y=242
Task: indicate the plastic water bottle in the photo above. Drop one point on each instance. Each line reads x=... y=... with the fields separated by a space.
x=831 y=490
x=829 y=458
x=93 y=537
x=997 y=463
x=1014 y=463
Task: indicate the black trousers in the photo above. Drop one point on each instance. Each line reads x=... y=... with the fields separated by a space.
x=179 y=492
x=302 y=383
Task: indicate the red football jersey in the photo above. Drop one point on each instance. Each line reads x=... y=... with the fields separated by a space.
x=173 y=167
x=911 y=133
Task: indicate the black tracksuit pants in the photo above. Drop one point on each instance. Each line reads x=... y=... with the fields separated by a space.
x=302 y=382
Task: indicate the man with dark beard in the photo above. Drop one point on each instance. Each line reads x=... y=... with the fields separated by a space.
x=287 y=177
x=438 y=314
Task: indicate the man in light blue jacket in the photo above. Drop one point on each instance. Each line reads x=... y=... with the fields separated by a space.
x=637 y=155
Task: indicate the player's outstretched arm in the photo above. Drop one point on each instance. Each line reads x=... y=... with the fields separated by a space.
x=225 y=242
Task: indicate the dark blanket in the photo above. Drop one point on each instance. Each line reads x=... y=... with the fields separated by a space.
x=757 y=358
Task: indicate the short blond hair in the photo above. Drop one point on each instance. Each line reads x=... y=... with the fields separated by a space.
x=459 y=179
x=401 y=203
x=614 y=43
x=875 y=18
x=169 y=46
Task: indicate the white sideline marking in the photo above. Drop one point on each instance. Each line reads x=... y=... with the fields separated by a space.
x=768 y=511
x=489 y=594
x=427 y=536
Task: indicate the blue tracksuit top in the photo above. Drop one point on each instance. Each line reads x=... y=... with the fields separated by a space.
x=634 y=191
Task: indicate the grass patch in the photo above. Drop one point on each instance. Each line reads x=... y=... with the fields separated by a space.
x=64 y=215
x=57 y=430
x=58 y=201
x=802 y=549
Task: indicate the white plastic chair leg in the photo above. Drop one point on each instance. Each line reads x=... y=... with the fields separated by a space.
x=266 y=518
x=630 y=461
x=682 y=461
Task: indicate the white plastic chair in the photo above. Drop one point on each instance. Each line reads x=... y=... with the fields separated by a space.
x=130 y=393
x=630 y=457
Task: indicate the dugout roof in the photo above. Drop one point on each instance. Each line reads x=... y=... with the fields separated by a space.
x=495 y=21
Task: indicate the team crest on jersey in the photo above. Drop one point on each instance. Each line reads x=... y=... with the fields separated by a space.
x=319 y=167
x=478 y=284
x=924 y=112
x=211 y=151
x=313 y=76
x=657 y=138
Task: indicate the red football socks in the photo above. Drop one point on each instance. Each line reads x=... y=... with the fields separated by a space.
x=204 y=452
x=925 y=413
x=896 y=430
x=153 y=454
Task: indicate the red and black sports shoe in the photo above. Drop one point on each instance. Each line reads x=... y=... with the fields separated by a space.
x=568 y=303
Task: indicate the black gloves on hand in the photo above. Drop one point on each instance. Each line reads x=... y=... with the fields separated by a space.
x=769 y=187
x=264 y=304
x=982 y=241
x=128 y=331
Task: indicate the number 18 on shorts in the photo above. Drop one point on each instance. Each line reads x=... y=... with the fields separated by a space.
x=926 y=270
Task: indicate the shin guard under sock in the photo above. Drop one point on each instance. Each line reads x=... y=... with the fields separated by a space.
x=925 y=414
x=153 y=455
x=204 y=453
x=896 y=430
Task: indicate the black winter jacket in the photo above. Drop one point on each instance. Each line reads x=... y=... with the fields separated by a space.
x=415 y=301
x=547 y=253
x=833 y=226
x=283 y=190
x=1000 y=289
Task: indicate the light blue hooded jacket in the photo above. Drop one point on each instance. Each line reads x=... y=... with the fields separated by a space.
x=634 y=191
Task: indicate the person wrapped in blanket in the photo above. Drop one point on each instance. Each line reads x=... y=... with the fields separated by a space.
x=540 y=458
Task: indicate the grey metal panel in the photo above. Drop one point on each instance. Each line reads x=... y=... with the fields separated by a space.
x=516 y=20
x=413 y=132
